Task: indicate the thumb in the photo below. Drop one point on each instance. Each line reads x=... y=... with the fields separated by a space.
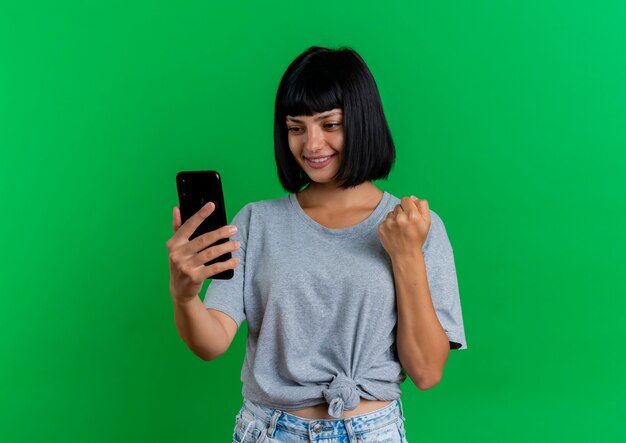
x=176 y=219
x=424 y=209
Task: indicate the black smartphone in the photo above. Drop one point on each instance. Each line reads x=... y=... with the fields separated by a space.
x=195 y=189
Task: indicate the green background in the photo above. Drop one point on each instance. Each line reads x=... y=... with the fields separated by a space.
x=508 y=117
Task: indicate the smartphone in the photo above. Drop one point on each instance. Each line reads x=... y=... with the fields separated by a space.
x=195 y=189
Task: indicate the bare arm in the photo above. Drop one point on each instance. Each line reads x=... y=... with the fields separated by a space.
x=423 y=347
x=207 y=332
x=422 y=343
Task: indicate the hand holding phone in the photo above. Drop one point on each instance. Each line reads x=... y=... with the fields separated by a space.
x=199 y=248
x=187 y=258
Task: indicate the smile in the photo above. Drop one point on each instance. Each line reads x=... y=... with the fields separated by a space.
x=320 y=162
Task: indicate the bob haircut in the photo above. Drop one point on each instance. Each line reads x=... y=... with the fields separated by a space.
x=321 y=79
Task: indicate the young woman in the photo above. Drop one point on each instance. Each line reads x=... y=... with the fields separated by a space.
x=346 y=289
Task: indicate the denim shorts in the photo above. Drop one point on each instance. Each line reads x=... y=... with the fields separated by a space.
x=260 y=424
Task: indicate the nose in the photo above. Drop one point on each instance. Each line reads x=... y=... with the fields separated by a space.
x=315 y=139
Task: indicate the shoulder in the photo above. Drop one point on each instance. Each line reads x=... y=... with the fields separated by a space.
x=259 y=210
x=257 y=215
x=268 y=205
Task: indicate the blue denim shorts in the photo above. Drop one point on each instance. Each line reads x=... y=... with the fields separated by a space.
x=260 y=424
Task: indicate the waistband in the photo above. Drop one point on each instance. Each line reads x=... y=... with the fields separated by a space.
x=321 y=428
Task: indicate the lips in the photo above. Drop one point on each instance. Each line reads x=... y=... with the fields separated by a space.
x=319 y=161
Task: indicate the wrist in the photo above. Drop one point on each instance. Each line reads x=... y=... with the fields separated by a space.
x=184 y=302
x=411 y=258
x=407 y=262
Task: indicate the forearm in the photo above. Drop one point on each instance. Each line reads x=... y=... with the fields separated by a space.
x=200 y=331
x=422 y=343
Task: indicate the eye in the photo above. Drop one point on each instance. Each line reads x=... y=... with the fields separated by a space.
x=332 y=125
x=293 y=129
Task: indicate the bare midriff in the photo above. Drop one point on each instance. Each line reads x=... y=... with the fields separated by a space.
x=320 y=412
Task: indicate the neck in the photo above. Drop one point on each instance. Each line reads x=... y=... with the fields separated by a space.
x=332 y=197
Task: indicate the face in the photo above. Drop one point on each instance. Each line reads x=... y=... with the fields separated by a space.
x=316 y=143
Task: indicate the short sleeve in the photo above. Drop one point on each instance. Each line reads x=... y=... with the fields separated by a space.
x=442 y=281
x=227 y=295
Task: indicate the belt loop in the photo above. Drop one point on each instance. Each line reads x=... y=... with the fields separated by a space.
x=401 y=409
x=272 y=426
x=351 y=435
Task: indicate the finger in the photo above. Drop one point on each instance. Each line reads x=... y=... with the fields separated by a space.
x=408 y=204
x=216 y=251
x=176 y=219
x=424 y=209
x=205 y=240
x=397 y=210
x=220 y=266
x=189 y=227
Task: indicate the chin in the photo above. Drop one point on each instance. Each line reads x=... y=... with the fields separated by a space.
x=322 y=180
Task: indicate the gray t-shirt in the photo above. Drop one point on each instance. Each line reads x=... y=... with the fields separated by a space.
x=321 y=306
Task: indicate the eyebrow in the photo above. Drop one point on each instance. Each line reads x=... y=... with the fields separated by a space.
x=316 y=118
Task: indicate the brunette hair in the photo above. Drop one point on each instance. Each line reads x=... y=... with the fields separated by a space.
x=321 y=79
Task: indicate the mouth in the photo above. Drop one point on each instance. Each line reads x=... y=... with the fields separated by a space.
x=320 y=162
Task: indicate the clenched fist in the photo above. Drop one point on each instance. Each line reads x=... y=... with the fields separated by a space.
x=404 y=231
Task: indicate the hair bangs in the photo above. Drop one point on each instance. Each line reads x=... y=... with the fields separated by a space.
x=311 y=91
